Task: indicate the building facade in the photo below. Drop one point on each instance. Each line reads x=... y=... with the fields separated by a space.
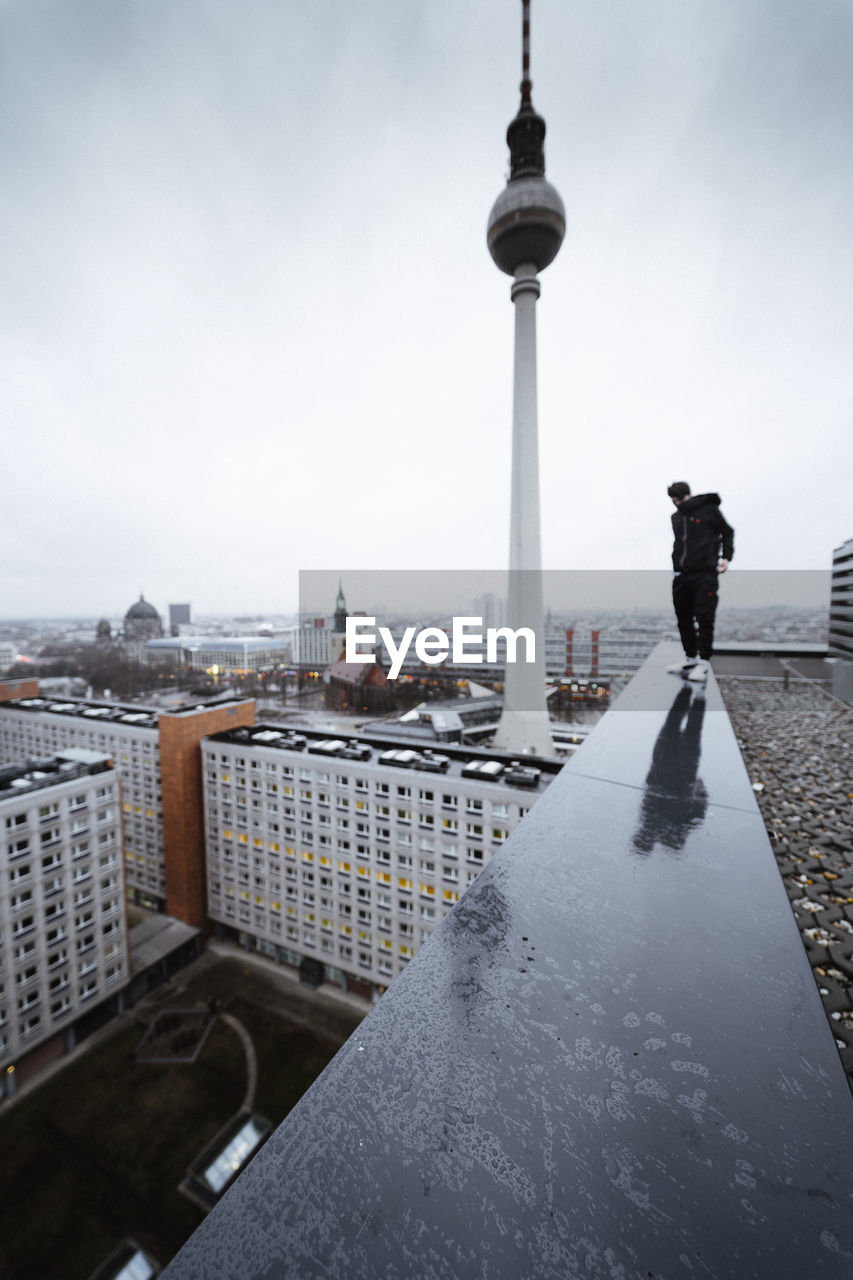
x=341 y=856
x=162 y=826
x=217 y=655
x=8 y=654
x=63 y=929
x=179 y=616
x=841 y=603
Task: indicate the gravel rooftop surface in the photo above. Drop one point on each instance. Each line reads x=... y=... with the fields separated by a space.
x=795 y=743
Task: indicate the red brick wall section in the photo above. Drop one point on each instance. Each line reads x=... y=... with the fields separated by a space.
x=183 y=805
x=11 y=689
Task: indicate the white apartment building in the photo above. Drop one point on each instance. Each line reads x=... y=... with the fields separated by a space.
x=318 y=645
x=63 y=930
x=41 y=726
x=341 y=856
x=8 y=654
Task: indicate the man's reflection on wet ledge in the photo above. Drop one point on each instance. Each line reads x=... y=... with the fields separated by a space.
x=674 y=800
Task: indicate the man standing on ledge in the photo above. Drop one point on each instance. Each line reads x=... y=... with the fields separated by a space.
x=702 y=549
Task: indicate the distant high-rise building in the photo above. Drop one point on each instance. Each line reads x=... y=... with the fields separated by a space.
x=8 y=654
x=841 y=621
x=525 y=231
x=491 y=608
x=313 y=645
x=179 y=616
x=841 y=602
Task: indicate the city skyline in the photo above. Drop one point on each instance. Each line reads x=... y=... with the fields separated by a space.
x=249 y=320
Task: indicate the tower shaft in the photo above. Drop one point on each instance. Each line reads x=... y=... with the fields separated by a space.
x=524 y=725
x=526 y=228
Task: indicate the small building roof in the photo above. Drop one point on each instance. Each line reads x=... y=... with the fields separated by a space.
x=357 y=673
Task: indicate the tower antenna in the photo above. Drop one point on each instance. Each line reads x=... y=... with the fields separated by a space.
x=526 y=82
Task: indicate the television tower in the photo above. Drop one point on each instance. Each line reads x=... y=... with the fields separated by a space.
x=525 y=231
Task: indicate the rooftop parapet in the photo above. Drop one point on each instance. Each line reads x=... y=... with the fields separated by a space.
x=133 y=714
x=23 y=776
x=610 y=1059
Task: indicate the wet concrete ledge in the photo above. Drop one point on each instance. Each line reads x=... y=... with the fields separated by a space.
x=610 y=1060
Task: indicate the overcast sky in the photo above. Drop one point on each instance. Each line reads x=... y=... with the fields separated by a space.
x=250 y=324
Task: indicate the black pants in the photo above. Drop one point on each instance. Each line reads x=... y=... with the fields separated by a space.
x=695 y=598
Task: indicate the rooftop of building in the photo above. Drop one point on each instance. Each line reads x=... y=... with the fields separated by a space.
x=155 y=938
x=531 y=773
x=22 y=776
x=125 y=713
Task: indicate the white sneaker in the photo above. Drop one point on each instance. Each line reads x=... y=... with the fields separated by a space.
x=683 y=668
x=699 y=673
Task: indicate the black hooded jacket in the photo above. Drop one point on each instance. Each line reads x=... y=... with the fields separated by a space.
x=701 y=534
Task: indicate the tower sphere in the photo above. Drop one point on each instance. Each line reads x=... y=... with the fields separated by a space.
x=526 y=225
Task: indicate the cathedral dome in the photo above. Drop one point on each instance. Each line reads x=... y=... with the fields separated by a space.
x=142 y=622
x=142 y=610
